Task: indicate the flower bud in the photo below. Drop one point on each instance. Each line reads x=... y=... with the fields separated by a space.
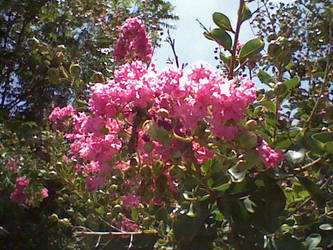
x=130 y=172
x=247 y=139
x=146 y=172
x=98 y=77
x=53 y=218
x=176 y=172
x=75 y=70
x=251 y=125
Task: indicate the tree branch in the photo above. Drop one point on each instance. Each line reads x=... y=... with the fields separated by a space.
x=233 y=52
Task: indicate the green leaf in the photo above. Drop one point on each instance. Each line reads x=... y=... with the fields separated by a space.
x=270 y=202
x=288 y=242
x=222 y=187
x=225 y=59
x=310 y=143
x=82 y=103
x=237 y=175
x=222 y=21
x=326 y=227
x=323 y=137
x=316 y=193
x=313 y=240
x=100 y=210
x=221 y=37
x=265 y=78
x=295 y=156
x=329 y=147
x=292 y=83
x=246 y=14
x=282 y=144
x=206 y=166
x=134 y=214
x=186 y=228
x=249 y=205
x=251 y=47
x=268 y=104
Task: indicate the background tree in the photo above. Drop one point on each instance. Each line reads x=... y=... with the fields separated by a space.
x=41 y=40
x=50 y=52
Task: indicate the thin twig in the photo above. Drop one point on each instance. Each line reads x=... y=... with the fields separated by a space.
x=277 y=102
x=233 y=52
x=86 y=233
x=172 y=44
x=323 y=85
x=311 y=164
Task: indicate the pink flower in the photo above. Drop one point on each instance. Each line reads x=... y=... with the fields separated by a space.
x=59 y=114
x=45 y=193
x=201 y=153
x=18 y=195
x=239 y=46
x=128 y=225
x=12 y=166
x=93 y=183
x=269 y=156
x=133 y=42
x=130 y=201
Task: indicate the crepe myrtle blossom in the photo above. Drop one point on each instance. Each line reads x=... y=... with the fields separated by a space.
x=269 y=156
x=171 y=100
x=131 y=201
x=59 y=114
x=18 y=196
x=133 y=42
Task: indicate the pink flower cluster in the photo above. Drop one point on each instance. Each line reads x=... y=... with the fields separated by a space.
x=131 y=200
x=202 y=154
x=12 y=166
x=269 y=156
x=128 y=225
x=173 y=101
x=18 y=195
x=59 y=114
x=133 y=42
x=147 y=112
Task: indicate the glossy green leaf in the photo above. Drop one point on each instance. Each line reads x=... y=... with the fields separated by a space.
x=249 y=205
x=222 y=187
x=237 y=174
x=292 y=83
x=221 y=37
x=225 y=59
x=186 y=227
x=265 y=78
x=270 y=201
x=324 y=137
x=288 y=242
x=329 y=147
x=268 y=104
x=313 y=240
x=251 y=47
x=326 y=227
x=316 y=193
x=295 y=156
x=246 y=14
x=282 y=144
x=222 y=21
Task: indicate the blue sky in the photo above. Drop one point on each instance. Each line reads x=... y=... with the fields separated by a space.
x=191 y=45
